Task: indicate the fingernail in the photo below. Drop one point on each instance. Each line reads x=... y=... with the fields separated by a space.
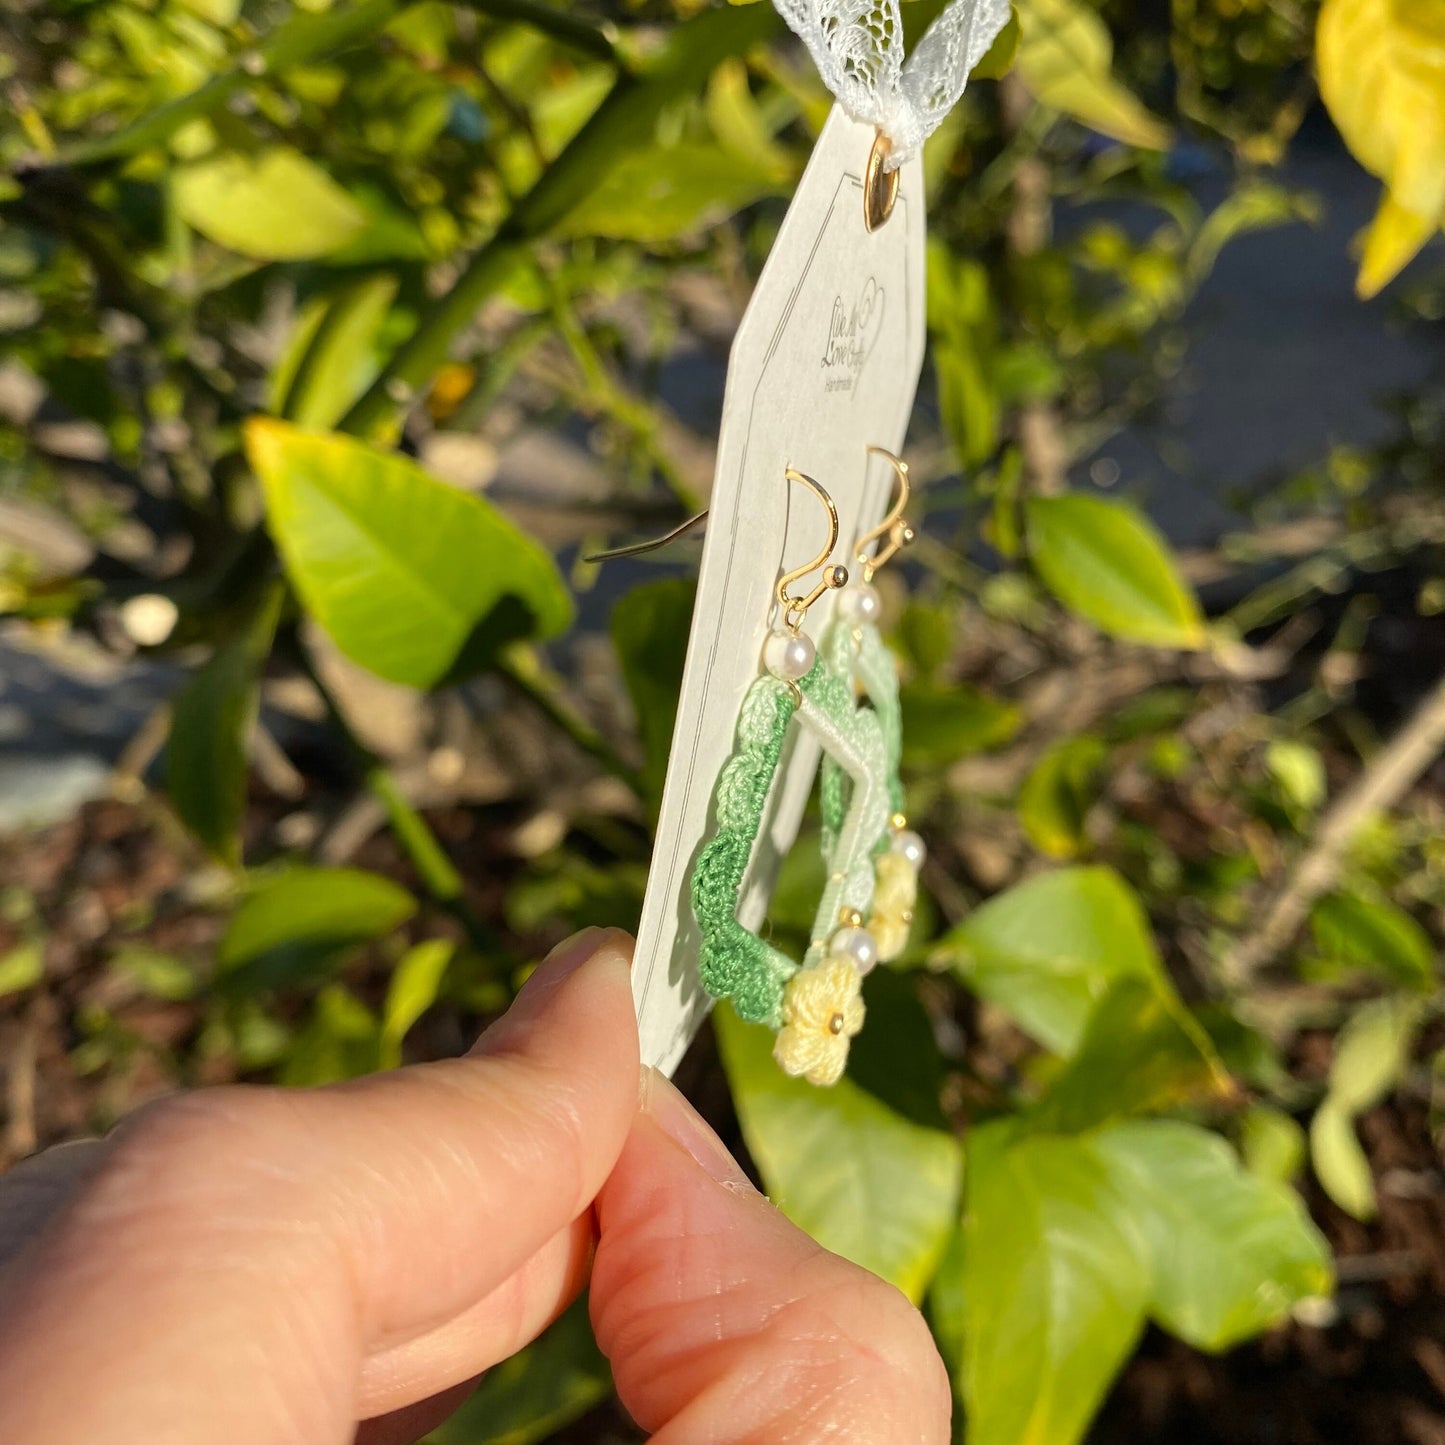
x=546 y=979
x=671 y=1112
x=569 y=955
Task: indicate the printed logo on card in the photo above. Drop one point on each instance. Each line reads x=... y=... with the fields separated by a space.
x=853 y=328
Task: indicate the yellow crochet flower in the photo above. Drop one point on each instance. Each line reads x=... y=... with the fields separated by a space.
x=894 y=894
x=822 y=1010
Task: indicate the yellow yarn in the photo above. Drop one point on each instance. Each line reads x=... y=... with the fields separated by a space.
x=822 y=1010
x=894 y=894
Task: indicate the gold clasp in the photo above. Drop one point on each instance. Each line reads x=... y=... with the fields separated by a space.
x=880 y=187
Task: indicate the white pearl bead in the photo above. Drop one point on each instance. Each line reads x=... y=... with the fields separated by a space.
x=789 y=655
x=911 y=846
x=861 y=603
x=856 y=945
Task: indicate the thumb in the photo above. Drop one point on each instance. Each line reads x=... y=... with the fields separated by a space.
x=724 y=1322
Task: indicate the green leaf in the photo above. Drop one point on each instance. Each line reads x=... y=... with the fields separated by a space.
x=1049 y=949
x=999 y=59
x=274 y=205
x=862 y=1180
x=1003 y=522
x=410 y=577
x=1229 y=1253
x=438 y=874
x=532 y=1395
x=626 y=121
x=1340 y=1163
x=1141 y=1053
x=967 y=401
x=218 y=12
x=1105 y=562
x=1256 y=206
x=22 y=967
x=161 y=975
x=669 y=68
x=1272 y=1144
x=1058 y=793
x=927 y=635
x=1299 y=771
x=211 y=722
x=663 y=192
x=1371 y=1054
x=896 y=1057
x=942 y=722
x=738 y=122
x=331 y=358
x=650 y=628
x=303 y=916
x=947 y=1306
x=415 y=983
x=340 y=1040
x=802 y=876
x=1053 y=1285
x=1065 y=57
x=1374 y=934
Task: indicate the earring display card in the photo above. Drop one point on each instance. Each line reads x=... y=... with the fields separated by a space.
x=825 y=362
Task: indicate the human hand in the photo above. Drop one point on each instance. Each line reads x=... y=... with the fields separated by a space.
x=251 y=1266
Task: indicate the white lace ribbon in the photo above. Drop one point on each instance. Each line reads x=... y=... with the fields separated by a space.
x=857 y=46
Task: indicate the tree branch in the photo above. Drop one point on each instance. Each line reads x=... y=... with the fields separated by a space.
x=1389 y=775
x=623 y=119
x=306 y=37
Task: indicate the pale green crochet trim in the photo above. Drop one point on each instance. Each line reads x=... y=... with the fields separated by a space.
x=734 y=962
x=860 y=652
x=852 y=738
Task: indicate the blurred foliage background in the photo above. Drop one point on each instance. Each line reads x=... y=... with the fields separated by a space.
x=333 y=336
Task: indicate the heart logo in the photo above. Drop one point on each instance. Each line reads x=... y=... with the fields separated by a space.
x=853 y=331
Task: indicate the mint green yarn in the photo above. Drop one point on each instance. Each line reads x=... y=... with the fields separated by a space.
x=860 y=653
x=734 y=963
x=852 y=737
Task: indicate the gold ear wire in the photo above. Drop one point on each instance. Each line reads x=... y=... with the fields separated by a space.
x=796 y=608
x=636 y=549
x=894 y=526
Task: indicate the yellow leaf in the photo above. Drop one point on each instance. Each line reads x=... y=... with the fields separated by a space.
x=1064 y=56
x=1382 y=76
x=275 y=205
x=1395 y=235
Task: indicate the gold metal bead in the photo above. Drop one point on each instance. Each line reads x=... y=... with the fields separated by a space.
x=850 y=917
x=898 y=822
x=835 y=1024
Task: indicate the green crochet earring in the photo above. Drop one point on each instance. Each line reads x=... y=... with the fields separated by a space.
x=854 y=648
x=816 y=1006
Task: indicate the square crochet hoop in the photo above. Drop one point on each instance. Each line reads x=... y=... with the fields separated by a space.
x=736 y=963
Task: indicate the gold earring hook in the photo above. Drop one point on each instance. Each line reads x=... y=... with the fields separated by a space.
x=636 y=549
x=796 y=608
x=894 y=526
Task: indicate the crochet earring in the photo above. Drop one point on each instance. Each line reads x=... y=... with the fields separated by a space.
x=815 y=1007
x=854 y=647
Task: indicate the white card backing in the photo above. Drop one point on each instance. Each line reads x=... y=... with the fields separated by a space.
x=825 y=362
